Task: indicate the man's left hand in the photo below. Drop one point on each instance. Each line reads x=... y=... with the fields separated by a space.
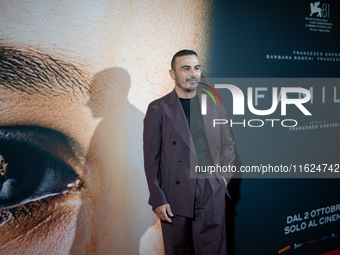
x=225 y=181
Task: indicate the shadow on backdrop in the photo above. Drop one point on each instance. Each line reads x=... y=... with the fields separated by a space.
x=115 y=177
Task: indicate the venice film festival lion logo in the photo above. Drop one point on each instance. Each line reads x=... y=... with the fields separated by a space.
x=321 y=12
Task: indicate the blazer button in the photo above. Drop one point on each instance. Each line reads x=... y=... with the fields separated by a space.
x=174 y=142
x=179 y=162
x=177 y=182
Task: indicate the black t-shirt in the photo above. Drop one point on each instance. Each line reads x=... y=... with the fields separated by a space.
x=192 y=113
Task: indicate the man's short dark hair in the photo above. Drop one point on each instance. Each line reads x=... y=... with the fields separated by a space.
x=180 y=54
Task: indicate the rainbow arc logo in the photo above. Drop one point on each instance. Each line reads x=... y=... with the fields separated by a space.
x=209 y=93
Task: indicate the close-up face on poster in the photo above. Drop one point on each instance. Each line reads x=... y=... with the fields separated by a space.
x=103 y=150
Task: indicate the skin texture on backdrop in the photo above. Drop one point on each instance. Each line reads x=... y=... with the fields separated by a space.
x=75 y=80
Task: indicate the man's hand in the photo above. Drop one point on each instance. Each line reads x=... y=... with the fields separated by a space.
x=162 y=213
x=225 y=181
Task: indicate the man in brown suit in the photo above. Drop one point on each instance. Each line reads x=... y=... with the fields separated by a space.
x=177 y=138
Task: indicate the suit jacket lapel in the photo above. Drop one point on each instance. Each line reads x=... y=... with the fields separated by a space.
x=210 y=132
x=174 y=111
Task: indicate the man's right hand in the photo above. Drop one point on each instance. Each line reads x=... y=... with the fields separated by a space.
x=163 y=211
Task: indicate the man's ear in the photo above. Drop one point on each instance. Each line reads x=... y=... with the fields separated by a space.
x=172 y=74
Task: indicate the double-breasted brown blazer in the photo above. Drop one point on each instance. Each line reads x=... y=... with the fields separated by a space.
x=169 y=152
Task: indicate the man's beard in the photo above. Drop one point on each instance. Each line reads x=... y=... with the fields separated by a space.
x=191 y=88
